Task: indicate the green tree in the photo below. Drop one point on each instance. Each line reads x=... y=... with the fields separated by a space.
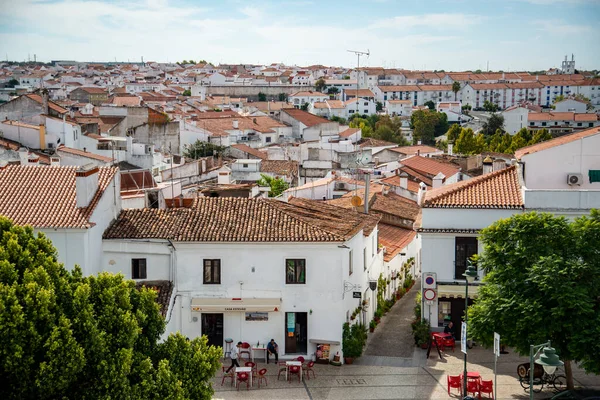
x=332 y=90
x=518 y=141
x=282 y=97
x=277 y=185
x=558 y=98
x=340 y=120
x=494 y=122
x=363 y=124
x=455 y=88
x=466 y=142
x=201 y=149
x=430 y=104
x=379 y=106
x=12 y=83
x=496 y=141
x=540 y=136
x=96 y=337
x=525 y=134
x=489 y=106
x=320 y=85
x=542 y=283
x=262 y=96
x=304 y=107
x=441 y=126
x=187 y=92
x=453 y=132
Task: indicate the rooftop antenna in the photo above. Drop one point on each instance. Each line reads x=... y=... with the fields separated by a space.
x=358 y=54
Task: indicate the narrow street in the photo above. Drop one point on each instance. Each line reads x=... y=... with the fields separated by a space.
x=392 y=343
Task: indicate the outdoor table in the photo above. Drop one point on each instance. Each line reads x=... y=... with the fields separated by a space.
x=243 y=369
x=262 y=348
x=288 y=364
x=471 y=375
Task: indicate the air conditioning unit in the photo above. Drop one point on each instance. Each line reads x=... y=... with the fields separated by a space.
x=574 y=179
x=148 y=149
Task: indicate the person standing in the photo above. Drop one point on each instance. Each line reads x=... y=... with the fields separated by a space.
x=235 y=354
x=273 y=348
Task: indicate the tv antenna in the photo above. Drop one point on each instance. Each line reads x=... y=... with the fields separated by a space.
x=358 y=54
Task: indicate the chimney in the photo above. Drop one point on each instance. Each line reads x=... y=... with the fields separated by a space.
x=421 y=193
x=438 y=180
x=23 y=155
x=450 y=149
x=487 y=165
x=235 y=124
x=86 y=184
x=3 y=164
x=498 y=164
x=54 y=161
x=44 y=96
x=418 y=143
x=224 y=178
x=404 y=180
x=33 y=160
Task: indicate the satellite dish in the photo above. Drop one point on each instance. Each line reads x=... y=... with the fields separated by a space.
x=356 y=201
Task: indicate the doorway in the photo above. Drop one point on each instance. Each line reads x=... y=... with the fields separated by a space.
x=296 y=333
x=212 y=328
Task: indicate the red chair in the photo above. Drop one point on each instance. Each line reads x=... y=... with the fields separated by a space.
x=253 y=366
x=243 y=377
x=309 y=368
x=486 y=387
x=261 y=376
x=282 y=368
x=454 y=382
x=226 y=375
x=295 y=370
x=245 y=349
x=301 y=359
x=449 y=342
x=473 y=387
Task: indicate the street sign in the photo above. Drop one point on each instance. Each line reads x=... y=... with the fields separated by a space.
x=496 y=344
x=429 y=294
x=356 y=295
x=463 y=337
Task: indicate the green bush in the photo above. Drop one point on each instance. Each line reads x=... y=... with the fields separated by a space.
x=353 y=339
x=421 y=332
x=418 y=307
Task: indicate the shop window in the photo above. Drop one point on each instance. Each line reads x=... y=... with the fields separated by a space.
x=138 y=268
x=212 y=272
x=444 y=312
x=295 y=271
x=465 y=247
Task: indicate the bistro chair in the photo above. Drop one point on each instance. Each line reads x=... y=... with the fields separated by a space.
x=252 y=365
x=486 y=387
x=226 y=375
x=295 y=370
x=454 y=382
x=243 y=377
x=473 y=387
x=309 y=368
x=282 y=368
x=449 y=342
x=261 y=376
x=245 y=349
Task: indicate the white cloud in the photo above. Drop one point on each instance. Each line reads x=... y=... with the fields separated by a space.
x=430 y=21
x=558 y=27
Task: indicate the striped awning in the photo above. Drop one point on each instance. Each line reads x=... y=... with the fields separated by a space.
x=457 y=291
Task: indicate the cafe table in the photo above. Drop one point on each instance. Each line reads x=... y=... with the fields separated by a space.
x=243 y=369
x=260 y=347
x=288 y=364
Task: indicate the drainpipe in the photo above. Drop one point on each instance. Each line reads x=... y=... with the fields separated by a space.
x=367 y=184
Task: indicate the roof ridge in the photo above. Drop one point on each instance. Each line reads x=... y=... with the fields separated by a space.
x=445 y=191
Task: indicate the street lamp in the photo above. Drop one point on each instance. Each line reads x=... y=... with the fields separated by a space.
x=470 y=276
x=549 y=360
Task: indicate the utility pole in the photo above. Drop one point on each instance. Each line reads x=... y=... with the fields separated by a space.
x=358 y=54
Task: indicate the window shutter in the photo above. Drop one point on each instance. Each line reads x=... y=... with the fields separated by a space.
x=142 y=264
x=594 y=175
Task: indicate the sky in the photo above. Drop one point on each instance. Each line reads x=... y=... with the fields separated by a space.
x=510 y=35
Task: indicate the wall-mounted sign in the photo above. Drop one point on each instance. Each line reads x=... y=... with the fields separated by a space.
x=257 y=316
x=356 y=295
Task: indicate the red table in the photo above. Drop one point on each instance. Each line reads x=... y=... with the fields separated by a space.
x=471 y=375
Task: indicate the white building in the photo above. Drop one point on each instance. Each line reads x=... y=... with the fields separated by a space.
x=307 y=97
x=72 y=206
x=570 y=105
x=401 y=108
x=306 y=126
x=515 y=119
x=235 y=276
x=452 y=109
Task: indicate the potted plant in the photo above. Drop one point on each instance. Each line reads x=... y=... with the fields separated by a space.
x=372 y=325
x=353 y=339
x=421 y=333
x=378 y=315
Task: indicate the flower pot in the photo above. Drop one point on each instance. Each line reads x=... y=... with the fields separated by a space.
x=348 y=360
x=424 y=346
x=371 y=330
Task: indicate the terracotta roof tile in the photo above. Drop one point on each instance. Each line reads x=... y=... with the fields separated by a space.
x=410 y=150
x=52 y=105
x=499 y=189
x=81 y=153
x=45 y=196
x=247 y=149
x=394 y=239
x=556 y=142
x=429 y=166
x=228 y=219
x=280 y=167
x=163 y=291
x=349 y=132
x=306 y=118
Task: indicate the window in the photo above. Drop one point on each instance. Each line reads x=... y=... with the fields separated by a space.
x=465 y=247
x=591 y=124
x=212 y=272
x=365 y=258
x=138 y=268
x=295 y=271
x=366 y=111
x=543 y=124
x=366 y=104
x=244 y=165
x=268 y=139
x=350 y=269
x=579 y=124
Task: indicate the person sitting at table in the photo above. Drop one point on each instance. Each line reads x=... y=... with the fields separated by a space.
x=272 y=348
x=235 y=354
x=449 y=329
